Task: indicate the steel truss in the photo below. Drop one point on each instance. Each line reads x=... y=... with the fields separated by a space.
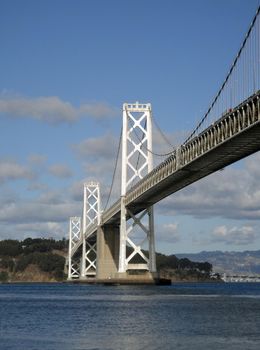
x=91 y=215
x=74 y=238
x=136 y=163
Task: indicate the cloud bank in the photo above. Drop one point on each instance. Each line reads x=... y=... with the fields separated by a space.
x=233 y=236
x=52 y=109
x=60 y=170
x=11 y=170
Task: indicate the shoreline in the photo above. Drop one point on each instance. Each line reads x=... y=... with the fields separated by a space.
x=113 y=282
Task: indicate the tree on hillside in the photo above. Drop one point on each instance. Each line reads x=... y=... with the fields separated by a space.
x=3 y=276
x=42 y=245
x=10 y=247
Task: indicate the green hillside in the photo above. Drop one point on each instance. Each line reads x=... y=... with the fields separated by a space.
x=32 y=260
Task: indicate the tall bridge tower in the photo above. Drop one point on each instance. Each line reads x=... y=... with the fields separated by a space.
x=91 y=215
x=137 y=161
x=75 y=233
x=125 y=246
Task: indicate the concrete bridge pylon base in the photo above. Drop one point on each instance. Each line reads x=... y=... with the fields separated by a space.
x=107 y=257
x=107 y=251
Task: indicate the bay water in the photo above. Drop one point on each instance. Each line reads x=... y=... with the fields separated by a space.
x=194 y=316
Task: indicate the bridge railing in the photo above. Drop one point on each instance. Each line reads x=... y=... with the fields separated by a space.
x=233 y=121
x=110 y=212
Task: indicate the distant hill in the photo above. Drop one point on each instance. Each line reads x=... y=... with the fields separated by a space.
x=247 y=262
x=183 y=269
x=32 y=260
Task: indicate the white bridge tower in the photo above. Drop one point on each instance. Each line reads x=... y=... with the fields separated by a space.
x=91 y=215
x=74 y=238
x=136 y=235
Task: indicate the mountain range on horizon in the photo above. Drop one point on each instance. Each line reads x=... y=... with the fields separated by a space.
x=229 y=262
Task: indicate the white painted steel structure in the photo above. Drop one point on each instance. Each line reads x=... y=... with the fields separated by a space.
x=137 y=161
x=91 y=215
x=74 y=238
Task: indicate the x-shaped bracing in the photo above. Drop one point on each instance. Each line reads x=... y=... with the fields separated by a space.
x=137 y=248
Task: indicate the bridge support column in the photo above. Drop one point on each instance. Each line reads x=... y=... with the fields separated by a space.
x=137 y=249
x=107 y=251
x=91 y=215
x=74 y=236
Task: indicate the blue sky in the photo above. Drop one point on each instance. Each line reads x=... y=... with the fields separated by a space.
x=66 y=69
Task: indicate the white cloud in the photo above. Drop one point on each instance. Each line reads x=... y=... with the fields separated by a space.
x=52 y=109
x=234 y=236
x=52 y=197
x=168 y=233
x=76 y=191
x=97 y=110
x=41 y=210
x=60 y=170
x=11 y=170
x=46 y=215
x=34 y=230
x=37 y=186
x=97 y=148
x=37 y=159
x=98 y=156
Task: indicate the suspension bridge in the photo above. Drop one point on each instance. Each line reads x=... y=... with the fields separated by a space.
x=117 y=243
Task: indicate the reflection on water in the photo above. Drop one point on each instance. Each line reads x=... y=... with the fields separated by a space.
x=182 y=316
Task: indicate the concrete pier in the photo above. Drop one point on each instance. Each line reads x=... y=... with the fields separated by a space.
x=107 y=262
x=107 y=251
